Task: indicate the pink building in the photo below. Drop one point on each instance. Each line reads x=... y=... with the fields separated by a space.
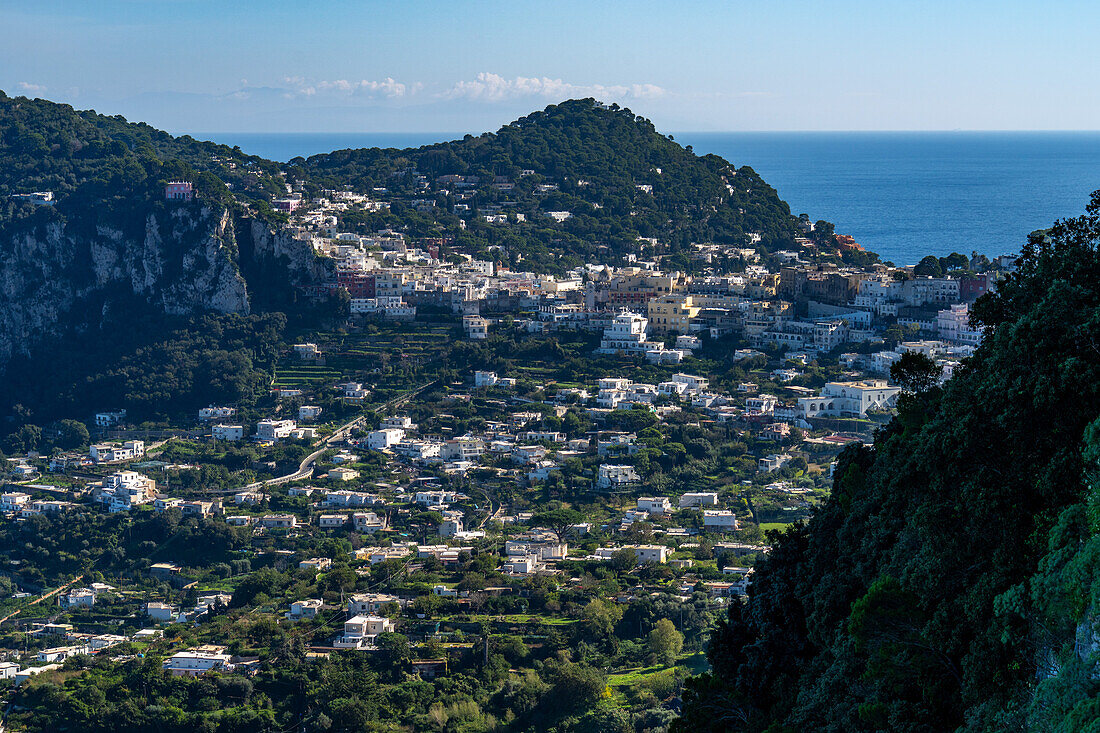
x=286 y=206
x=178 y=191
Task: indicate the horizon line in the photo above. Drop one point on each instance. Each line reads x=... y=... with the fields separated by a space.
x=671 y=132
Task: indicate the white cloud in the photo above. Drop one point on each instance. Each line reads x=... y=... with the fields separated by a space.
x=388 y=87
x=26 y=86
x=490 y=87
x=486 y=87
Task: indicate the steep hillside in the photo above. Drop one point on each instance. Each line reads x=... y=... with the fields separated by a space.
x=110 y=235
x=617 y=176
x=952 y=581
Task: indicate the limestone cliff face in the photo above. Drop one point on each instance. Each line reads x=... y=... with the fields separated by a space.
x=184 y=260
x=278 y=247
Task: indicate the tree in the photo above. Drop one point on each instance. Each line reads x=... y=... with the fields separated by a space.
x=955 y=261
x=915 y=372
x=557 y=520
x=600 y=618
x=395 y=648
x=25 y=439
x=665 y=641
x=623 y=560
x=71 y=434
x=575 y=423
x=824 y=232
x=928 y=267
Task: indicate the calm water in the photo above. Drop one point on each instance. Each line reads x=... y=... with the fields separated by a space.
x=903 y=195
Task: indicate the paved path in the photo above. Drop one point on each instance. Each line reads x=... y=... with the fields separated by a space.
x=43 y=597
x=305 y=468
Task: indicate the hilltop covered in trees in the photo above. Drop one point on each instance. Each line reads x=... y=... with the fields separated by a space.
x=109 y=272
x=950 y=582
x=87 y=159
x=612 y=170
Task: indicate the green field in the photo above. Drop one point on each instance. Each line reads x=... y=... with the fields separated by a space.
x=302 y=375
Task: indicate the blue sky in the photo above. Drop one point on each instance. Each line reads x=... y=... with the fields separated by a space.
x=412 y=66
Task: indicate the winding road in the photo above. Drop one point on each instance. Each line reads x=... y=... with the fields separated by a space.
x=305 y=468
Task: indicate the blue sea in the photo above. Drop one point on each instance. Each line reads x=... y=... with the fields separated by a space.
x=901 y=194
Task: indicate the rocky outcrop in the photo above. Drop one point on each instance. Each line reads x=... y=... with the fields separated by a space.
x=183 y=260
x=302 y=266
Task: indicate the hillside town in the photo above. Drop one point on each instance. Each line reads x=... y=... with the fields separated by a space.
x=473 y=453
x=455 y=500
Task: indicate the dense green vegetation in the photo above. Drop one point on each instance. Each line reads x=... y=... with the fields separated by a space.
x=950 y=581
x=91 y=161
x=157 y=366
x=545 y=666
x=597 y=156
x=113 y=343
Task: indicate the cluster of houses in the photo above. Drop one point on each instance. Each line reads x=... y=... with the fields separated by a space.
x=539 y=452
x=795 y=304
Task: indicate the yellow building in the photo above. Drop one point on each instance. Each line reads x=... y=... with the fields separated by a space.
x=670 y=314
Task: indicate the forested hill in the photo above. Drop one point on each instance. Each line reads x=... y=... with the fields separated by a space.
x=86 y=158
x=109 y=266
x=952 y=581
x=617 y=176
x=110 y=255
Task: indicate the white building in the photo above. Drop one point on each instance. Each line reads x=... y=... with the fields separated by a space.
x=690 y=343
x=655 y=504
x=384 y=438
x=105 y=452
x=368 y=522
x=476 y=327
x=350 y=499
x=400 y=422
x=649 y=553
x=763 y=404
x=278 y=521
x=361 y=631
x=108 y=419
x=699 y=499
x=77 y=598
x=216 y=413
x=692 y=382
x=486 y=379
x=342 y=474
x=306 y=351
x=849 y=399
x=462 y=449
x=125 y=489
x=369 y=603
x=717 y=520
x=627 y=335
x=61 y=653
x=305 y=609
x=247 y=497
x=332 y=521
x=160 y=612
x=773 y=462
x=309 y=412
x=391 y=307
x=954 y=326
x=196 y=662
x=227 y=432
x=13 y=501
x=274 y=429
x=611 y=476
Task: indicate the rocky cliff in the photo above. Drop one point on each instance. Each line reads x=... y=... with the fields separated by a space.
x=189 y=259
